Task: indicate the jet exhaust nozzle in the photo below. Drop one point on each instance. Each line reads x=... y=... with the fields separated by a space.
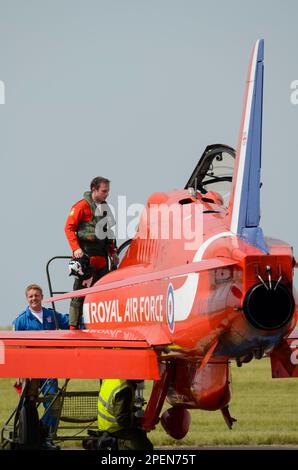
x=268 y=307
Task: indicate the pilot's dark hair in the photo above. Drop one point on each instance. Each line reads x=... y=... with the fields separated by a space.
x=96 y=182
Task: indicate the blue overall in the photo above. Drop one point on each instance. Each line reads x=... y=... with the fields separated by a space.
x=26 y=321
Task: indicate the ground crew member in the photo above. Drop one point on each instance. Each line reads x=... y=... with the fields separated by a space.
x=36 y=317
x=116 y=414
x=88 y=229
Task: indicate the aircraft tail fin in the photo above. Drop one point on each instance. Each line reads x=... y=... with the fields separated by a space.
x=244 y=208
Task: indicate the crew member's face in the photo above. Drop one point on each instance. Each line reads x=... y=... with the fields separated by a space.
x=100 y=194
x=34 y=299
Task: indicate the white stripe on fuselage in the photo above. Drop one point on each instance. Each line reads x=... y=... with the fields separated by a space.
x=185 y=295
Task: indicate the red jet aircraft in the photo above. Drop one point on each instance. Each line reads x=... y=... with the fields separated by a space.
x=179 y=308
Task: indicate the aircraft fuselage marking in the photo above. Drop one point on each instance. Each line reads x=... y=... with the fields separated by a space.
x=135 y=309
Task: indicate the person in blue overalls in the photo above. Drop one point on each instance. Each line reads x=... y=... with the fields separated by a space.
x=36 y=317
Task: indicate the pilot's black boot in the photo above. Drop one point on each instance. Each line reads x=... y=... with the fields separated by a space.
x=46 y=440
x=48 y=444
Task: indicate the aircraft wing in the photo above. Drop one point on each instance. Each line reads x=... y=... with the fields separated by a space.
x=106 y=353
x=126 y=352
x=105 y=285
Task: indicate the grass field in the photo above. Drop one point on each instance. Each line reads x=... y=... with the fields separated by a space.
x=265 y=409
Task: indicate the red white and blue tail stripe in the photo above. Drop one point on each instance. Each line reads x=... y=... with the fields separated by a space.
x=244 y=209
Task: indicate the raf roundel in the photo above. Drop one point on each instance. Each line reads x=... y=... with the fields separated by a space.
x=170 y=308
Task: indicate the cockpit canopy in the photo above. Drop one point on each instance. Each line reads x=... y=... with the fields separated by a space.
x=214 y=171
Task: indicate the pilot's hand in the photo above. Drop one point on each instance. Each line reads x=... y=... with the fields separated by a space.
x=114 y=260
x=78 y=253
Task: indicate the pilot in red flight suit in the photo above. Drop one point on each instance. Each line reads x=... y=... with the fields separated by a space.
x=88 y=230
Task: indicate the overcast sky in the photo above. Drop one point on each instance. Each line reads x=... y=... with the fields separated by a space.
x=132 y=90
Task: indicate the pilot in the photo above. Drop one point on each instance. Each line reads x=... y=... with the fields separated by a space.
x=89 y=232
x=116 y=414
x=37 y=317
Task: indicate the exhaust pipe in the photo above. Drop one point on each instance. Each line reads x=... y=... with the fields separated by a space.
x=268 y=306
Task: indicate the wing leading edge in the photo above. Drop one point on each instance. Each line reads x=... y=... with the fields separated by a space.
x=104 y=285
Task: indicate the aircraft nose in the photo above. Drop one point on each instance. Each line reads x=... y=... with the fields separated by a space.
x=268 y=307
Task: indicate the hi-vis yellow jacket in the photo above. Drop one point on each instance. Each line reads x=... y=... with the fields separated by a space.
x=107 y=421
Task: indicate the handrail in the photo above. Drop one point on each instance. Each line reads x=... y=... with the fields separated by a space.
x=50 y=285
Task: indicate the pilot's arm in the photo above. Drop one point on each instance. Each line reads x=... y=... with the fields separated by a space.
x=74 y=218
